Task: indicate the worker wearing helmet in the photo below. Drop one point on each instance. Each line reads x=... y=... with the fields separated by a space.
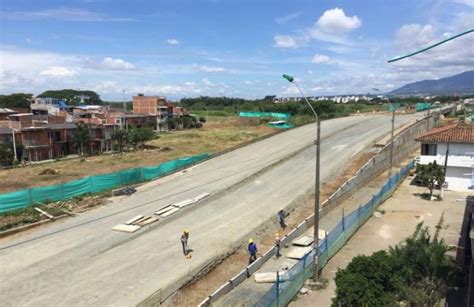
x=277 y=244
x=252 y=249
x=184 y=242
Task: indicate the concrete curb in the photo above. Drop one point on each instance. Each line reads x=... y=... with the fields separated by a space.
x=29 y=226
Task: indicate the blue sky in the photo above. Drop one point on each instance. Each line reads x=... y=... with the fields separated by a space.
x=232 y=48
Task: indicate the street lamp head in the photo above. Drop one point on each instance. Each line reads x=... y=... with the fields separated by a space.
x=288 y=77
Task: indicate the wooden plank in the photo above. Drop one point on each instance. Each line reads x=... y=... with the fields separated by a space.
x=201 y=196
x=298 y=252
x=44 y=213
x=170 y=212
x=303 y=241
x=133 y=220
x=126 y=228
x=147 y=221
x=184 y=203
x=164 y=209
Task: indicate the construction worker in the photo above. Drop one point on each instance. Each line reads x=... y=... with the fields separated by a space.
x=277 y=244
x=184 y=242
x=281 y=218
x=252 y=249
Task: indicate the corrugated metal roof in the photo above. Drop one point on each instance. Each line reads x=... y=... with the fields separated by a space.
x=453 y=133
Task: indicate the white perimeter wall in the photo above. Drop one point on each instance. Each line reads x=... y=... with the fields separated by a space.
x=459 y=178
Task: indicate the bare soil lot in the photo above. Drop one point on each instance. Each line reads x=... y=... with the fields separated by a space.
x=218 y=133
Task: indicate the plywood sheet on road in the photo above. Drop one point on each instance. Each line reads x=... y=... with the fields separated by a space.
x=201 y=196
x=164 y=209
x=298 y=252
x=184 y=203
x=148 y=220
x=169 y=212
x=134 y=219
x=126 y=228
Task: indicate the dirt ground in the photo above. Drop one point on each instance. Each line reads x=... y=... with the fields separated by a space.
x=401 y=213
x=194 y=293
x=218 y=133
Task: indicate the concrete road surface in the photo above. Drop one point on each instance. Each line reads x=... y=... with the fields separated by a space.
x=81 y=261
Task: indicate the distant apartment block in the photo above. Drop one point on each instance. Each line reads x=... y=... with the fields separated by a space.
x=158 y=106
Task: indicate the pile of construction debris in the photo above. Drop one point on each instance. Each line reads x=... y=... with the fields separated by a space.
x=78 y=205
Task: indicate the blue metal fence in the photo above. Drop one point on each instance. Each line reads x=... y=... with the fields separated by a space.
x=288 y=285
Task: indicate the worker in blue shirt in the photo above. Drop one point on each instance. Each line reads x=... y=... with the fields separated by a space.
x=252 y=249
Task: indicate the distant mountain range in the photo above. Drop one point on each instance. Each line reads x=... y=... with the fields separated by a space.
x=462 y=83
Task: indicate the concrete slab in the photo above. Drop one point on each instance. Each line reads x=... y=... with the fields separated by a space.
x=126 y=228
x=303 y=241
x=270 y=277
x=298 y=252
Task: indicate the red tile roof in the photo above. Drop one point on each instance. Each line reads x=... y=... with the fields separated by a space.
x=452 y=133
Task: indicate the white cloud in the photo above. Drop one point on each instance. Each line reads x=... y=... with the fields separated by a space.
x=115 y=64
x=173 y=41
x=320 y=59
x=59 y=71
x=465 y=2
x=290 y=90
x=411 y=36
x=209 y=69
x=332 y=26
x=66 y=14
x=206 y=82
x=289 y=42
x=335 y=21
x=285 y=19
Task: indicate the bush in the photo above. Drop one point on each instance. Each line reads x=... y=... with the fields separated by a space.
x=202 y=119
x=139 y=136
x=418 y=272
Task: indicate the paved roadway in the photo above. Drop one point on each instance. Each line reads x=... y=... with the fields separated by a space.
x=81 y=261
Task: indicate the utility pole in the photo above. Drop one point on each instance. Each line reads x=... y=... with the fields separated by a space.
x=316 y=184
x=391 y=143
x=446 y=159
x=428 y=120
x=14 y=145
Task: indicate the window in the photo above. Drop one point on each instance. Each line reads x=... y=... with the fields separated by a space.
x=428 y=149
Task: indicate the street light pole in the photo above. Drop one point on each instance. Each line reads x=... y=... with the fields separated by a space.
x=391 y=143
x=316 y=183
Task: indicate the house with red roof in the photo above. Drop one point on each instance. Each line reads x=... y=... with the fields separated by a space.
x=451 y=146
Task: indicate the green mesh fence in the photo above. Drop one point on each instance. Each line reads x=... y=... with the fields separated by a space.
x=282 y=292
x=92 y=184
x=265 y=114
